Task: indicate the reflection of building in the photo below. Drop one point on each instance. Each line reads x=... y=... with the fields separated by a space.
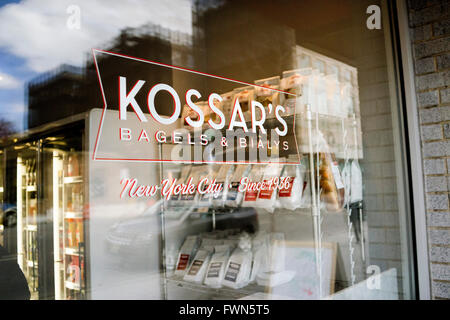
x=55 y=95
x=69 y=90
x=243 y=44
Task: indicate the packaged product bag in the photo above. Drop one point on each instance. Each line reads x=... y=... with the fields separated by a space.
x=198 y=172
x=206 y=199
x=197 y=269
x=267 y=196
x=185 y=255
x=331 y=184
x=174 y=199
x=234 y=197
x=356 y=182
x=330 y=180
x=189 y=112
x=223 y=177
x=244 y=95
x=237 y=274
x=216 y=269
x=207 y=112
x=266 y=96
x=352 y=179
x=226 y=105
x=291 y=192
x=260 y=254
x=251 y=194
x=298 y=87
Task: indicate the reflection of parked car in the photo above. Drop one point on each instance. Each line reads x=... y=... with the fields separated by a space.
x=8 y=229
x=8 y=216
x=133 y=237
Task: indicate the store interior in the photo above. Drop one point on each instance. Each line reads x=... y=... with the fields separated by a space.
x=314 y=238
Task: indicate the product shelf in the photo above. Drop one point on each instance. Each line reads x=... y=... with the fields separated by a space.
x=75 y=179
x=72 y=285
x=31 y=188
x=217 y=293
x=73 y=215
x=72 y=251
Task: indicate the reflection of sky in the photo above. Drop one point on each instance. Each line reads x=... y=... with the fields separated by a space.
x=35 y=37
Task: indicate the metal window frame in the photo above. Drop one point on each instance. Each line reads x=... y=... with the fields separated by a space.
x=411 y=117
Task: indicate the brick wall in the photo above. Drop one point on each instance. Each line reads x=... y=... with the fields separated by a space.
x=429 y=23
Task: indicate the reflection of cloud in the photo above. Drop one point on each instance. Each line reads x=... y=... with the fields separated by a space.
x=8 y=82
x=17 y=108
x=36 y=29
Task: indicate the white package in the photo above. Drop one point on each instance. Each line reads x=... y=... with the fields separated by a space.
x=356 y=182
x=352 y=177
x=260 y=255
x=223 y=177
x=290 y=197
x=237 y=274
x=205 y=200
x=175 y=198
x=251 y=195
x=244 y=95
x=267 y=196
x=187 y=250
x=216 y=268
x=226 y=105
x=234 y=197
x=197 y=269
x=265 y=95
x=197 y=173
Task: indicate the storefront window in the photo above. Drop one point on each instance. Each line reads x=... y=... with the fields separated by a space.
x=203 y=150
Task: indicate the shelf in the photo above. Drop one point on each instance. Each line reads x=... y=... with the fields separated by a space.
x=72 y=285
x=77 y=179
x=272 y=122
x=73 y=215
x=72 y=251
x=223 y=292
x=31 y=188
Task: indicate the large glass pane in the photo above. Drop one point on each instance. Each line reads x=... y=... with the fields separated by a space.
x=204 y=150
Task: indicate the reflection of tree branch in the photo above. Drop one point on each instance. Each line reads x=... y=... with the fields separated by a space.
x=6 y=128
